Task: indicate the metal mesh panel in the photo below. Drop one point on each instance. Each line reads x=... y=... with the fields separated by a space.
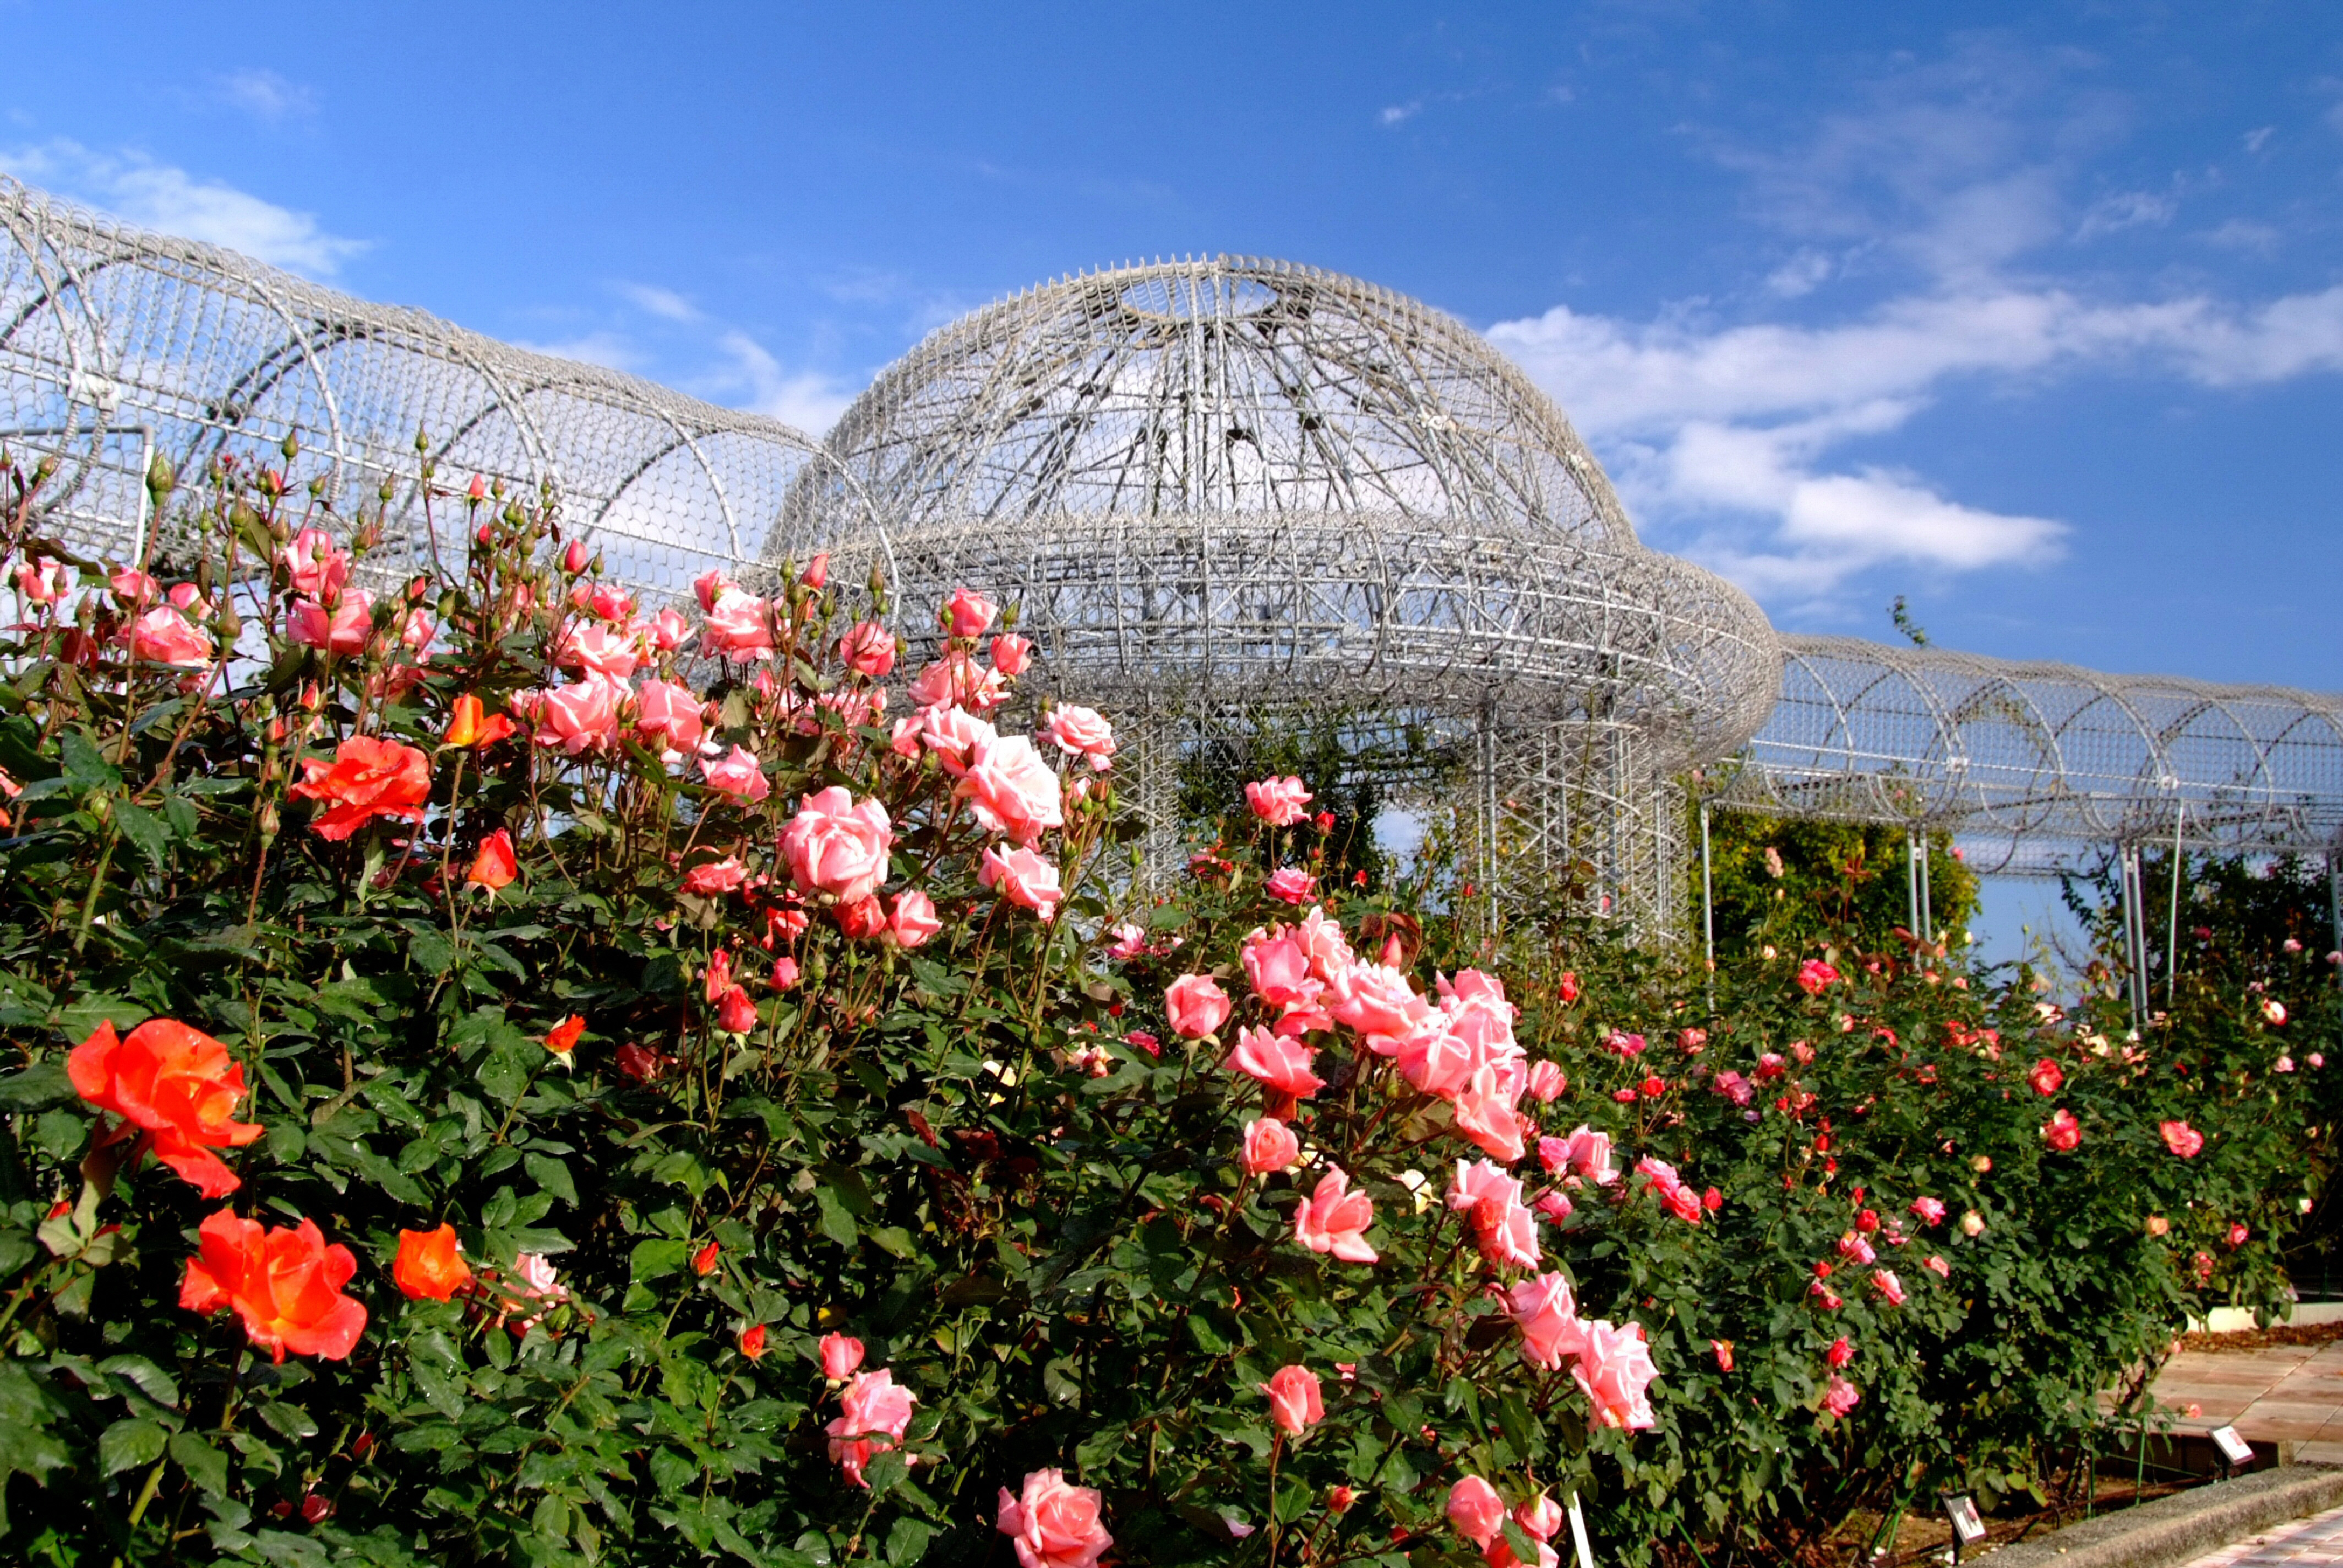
x=117 y=346
x=2029 y=762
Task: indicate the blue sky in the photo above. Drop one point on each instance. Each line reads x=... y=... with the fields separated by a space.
x=2034 y=314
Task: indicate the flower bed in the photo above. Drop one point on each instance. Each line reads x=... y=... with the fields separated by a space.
x=502 y=1075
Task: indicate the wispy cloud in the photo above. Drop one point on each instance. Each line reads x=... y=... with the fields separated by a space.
x=664 y=303
x=608 y=349
x=754 y=380
x=1400 y=114
x=160 y=197
x=1730 y=437
x=266 y=96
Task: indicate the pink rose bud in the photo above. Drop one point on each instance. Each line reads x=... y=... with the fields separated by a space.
x=1012 y=654
x=1294 y=1404
x=839 y=1356
x=817 y=572
x=1270 y=1147
x=784 y=973
x=736 y=1014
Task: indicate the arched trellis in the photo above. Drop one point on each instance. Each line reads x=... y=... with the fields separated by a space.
x=2032 y=764
x=120 y=344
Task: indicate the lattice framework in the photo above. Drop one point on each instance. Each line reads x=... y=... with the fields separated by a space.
x=117 y=346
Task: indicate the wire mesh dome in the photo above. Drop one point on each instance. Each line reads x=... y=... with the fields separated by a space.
x=2030 y=761
x=117 y=346
x=1237 y=483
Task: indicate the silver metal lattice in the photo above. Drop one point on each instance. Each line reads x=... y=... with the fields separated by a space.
x=2032 y=762
x=117 y=346
x=1235 y=486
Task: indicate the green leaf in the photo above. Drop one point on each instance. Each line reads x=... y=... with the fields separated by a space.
x=79 y=1019
x=149 y=1379
x=206 y=1466
x=552 y=1175
x=291 y=1420
x=83 y=765
x=656 y=1259
x=39 y=1086
x=130 y=1442
x=141 y=827
x=906 y=1539
x=836 y=1223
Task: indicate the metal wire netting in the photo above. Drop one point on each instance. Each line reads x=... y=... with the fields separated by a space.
x=118 y=345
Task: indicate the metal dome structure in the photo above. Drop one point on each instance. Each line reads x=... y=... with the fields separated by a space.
x=1231 y=486
x=118 y=345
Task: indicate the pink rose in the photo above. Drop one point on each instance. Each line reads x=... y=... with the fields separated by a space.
x=317 y=568
x=1543 y=1309
x=736 y=775
x=912 y=919
x=817 y=572
x=343 y=629
x=667 y=630
x=1841 y=1396
x=2274 y=1011
x=1278 y=802
x=1615 y=1368
x=2062 y=1131
x=955 y=679
x=1553 y=1206
x=1196 y=1005
x=1588 y=1155
x=1546 y=1081
x=1483 y=1110
x=953 y=734
x=1735 y=1087
x=671 y=717
x=837 y=845
x=1280 y=1064
x=839 y=1356
x=1292 y=885
x=1377 y=1002
x=1937 y=1267
x=165 y=635
x=736 y=1014
x=1931 y=1211
x=1270 y=1147
x=2181 y=1139
x=1279 y=969
x=1856 y=1249
x=715 y=876
x=968 y=614
x=1814 y=977
x=1053 y=1525
x=710 y=586
x=1476 y=1511
x=1024 y=877
x=1293 y=1400
x=2046 y=1078
x=1333 y=1219
x=1011 y=790
x=1620 y=1043
x=1012 y=654
x=868 y=648
x=577 y=716
x=1890 y=1287
x=1082 y=732
x=587 y=645
x=739 y=625
x=875 y=1415
x=1540 y=1517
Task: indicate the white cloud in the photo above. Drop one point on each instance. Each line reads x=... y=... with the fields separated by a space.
x=159 y=197
x=807 y=399
x=1722 y=434
x=665 y=302
x=1801 y=275
x=265 y=95
x=2126 y=210
x=1400 y=114
x=2259 y=137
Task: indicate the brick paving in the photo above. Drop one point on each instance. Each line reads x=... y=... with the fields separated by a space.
x=2278 y=1393
x=2305 y=1543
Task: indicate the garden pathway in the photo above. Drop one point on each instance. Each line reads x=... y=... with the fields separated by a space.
x=2306 y=1544
x=2276 y=1393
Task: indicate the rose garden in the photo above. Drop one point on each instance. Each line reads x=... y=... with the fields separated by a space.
x=501 y=1073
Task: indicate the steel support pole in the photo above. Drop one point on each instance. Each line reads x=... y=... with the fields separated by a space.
x=1911 y=883
x=2134 y=947
x=1927 y=904
x=2335 y=907
x=1707 y=911
x=2172 y=912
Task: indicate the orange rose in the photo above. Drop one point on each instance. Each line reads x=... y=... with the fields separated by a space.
x=473 y=725
x=562 y=1037
x=430 y=1263
x=495 y=866
x=366 y=779
x=178 y=1083
x=285 y=1284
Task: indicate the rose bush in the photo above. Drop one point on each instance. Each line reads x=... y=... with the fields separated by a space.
x=622 y=1089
